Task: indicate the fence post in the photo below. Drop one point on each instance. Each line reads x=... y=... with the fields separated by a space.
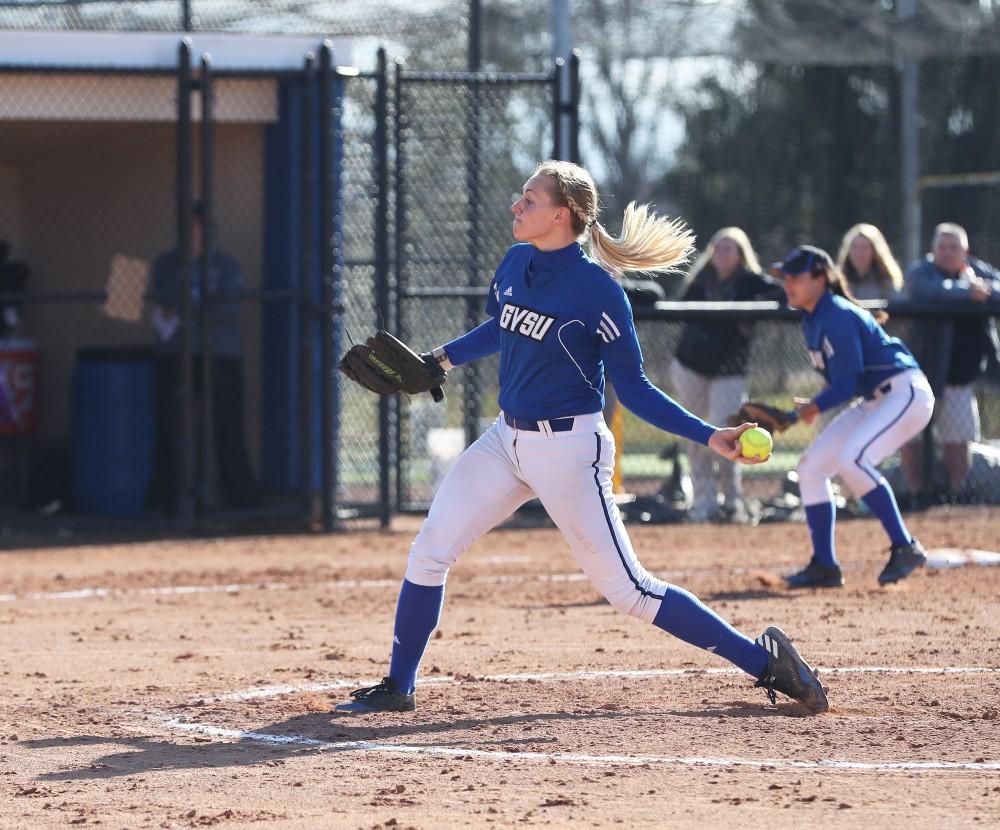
x=557 y=108
x=400 y=260
x=475 y=35
x=307 y=265
x=382 y=288
x=337 y=252
x=207 y=443
x=574 y=106
x=326 y=259
x=909 y=138
x=928 y=458
x=473 y=373
x=185 y=385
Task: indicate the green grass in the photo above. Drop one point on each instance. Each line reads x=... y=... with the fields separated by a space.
x=648 y=464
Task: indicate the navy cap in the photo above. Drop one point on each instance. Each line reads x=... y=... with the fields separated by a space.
x=801 y=258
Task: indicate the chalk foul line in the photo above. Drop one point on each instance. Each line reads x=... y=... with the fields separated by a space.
x=573 y=757
x=235 y=588
x=940 y=558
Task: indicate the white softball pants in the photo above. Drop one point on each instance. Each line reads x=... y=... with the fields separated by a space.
x=863 y=435
x=570 y=473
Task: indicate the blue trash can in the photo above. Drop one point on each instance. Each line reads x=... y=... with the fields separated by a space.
x=113 y=429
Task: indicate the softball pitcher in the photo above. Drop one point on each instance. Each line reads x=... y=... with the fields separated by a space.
x=560 y=321
x=857 y=359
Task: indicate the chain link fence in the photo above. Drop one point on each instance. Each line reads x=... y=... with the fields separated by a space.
x=80 y=239
x=466 y=145
x=432 y=33
x=796 y=144
x=657 y=468
x=367 y=217
x=222 y=379
x=161 y=300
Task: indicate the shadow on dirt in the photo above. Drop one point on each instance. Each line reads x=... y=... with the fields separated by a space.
x=744 y=709
x=314 y=733
x=751 y=593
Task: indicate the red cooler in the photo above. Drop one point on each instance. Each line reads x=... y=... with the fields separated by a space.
x=18 y=381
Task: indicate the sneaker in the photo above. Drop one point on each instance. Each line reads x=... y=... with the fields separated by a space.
x=383 y=697
x=788 y=673
x=816 y=575
x=903 y=560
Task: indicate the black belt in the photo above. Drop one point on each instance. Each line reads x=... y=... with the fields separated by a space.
x=886 y=386
x=555 y=424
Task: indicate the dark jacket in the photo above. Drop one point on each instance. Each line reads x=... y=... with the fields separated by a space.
x=721 y=348
x=224 y=312
x=951 y=351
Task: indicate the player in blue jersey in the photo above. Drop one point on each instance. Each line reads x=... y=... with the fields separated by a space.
x=560 y=322
x=858 y=360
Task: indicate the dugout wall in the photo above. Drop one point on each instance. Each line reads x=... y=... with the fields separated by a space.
x=93 y=184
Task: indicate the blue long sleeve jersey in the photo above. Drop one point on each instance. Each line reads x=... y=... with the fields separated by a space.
x=559 y=320
x=851 y=350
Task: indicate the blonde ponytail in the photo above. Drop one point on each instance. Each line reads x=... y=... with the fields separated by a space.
x=647 y=242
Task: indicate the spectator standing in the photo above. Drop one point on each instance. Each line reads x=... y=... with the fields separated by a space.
x=867 y=261
x=953 y=352
x=216 y=290
x=709 y=371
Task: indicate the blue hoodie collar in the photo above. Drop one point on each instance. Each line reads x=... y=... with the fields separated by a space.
x=547 y=262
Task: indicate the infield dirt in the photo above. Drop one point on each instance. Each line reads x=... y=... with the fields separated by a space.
x=128 y=672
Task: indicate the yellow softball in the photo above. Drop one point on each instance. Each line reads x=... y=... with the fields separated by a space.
x=756 y=441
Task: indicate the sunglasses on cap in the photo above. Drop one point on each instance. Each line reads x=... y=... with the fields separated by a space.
x=800 y=259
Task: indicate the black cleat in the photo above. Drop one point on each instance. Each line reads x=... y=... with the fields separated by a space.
x=903 y=560
x=384 y=697
x=788 y=673
x=816 y=575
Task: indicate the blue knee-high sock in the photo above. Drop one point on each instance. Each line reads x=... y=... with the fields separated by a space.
x=417 y=614
x=688 y=618
x=820 y=518
x=882 y=504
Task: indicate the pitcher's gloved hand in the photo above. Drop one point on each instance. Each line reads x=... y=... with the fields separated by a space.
x=386 y=365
